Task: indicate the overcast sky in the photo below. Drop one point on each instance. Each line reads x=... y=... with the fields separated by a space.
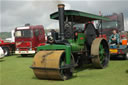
x=16 y=13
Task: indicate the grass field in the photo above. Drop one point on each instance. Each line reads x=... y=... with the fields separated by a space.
x=15 y=70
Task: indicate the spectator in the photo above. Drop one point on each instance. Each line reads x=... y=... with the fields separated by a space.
x=114 y=38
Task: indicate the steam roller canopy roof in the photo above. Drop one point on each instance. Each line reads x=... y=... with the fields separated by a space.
x=78 y=17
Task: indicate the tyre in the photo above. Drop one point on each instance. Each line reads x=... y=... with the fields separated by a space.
x=24 y=55
x=6 y=51
x=126 y=56
x=1 y=53
x=100 y=51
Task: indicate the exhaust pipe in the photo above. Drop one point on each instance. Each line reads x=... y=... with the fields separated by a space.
x=61 y=20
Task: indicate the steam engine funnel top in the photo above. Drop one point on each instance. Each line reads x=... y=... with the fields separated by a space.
x=61 y=5
x=61 y=20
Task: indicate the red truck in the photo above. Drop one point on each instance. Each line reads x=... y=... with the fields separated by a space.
x=8 y=47
x=28 y=38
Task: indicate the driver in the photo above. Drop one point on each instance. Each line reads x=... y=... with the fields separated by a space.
x=114 y=38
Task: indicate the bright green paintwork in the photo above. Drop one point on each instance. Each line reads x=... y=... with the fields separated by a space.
x=101 y=53
x=78 y=44
x=73 y=47
x=67 y=49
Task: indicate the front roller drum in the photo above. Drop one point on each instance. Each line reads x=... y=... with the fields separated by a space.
x=100 y=53
x=51 y=65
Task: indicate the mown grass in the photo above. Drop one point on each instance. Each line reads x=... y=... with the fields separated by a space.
x=15 y=70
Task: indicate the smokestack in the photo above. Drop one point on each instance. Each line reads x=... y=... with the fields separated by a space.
x=61 y=20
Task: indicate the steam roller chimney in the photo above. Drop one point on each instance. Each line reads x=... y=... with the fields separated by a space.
x=61 y=20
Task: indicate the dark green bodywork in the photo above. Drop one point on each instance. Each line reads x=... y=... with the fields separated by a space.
x=78 y=16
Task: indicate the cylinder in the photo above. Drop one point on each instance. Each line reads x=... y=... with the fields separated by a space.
x=61 y=20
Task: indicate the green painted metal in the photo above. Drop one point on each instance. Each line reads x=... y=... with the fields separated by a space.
x=74 y=45
x=67 y=49
x=101 y=53
x=77 y=45
x=81 y=39
x=78 y=16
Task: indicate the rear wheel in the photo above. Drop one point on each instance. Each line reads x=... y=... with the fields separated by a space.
x=6 y=51
x=100 y=53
